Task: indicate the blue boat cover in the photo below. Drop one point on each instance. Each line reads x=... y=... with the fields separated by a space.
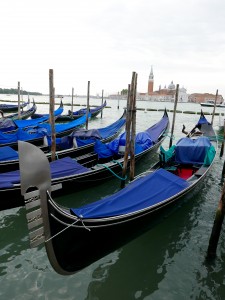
x=83 y=133
x=144 y=140
x=157 y=129
x=7 y=124
x=86 y=137
x=33 y=122
x=111 y=129
x=59 y=168
x=66 y=167
x=38 y=131
x=202 y=120
x=7 y=153
x=83 y=111
x=22 y=135
x=192 y=151
x=140 y=194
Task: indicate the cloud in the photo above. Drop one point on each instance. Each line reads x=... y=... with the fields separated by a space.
x=104 y=41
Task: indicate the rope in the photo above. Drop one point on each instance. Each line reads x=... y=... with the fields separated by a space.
x=108 y=168
x=78 y=219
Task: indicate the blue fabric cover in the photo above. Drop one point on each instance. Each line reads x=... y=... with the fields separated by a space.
x=157 y=129
x=111 y=129
x=83 y=133
x=57 y=112
x=86 y=137
x=191 y=151
x=143 y=140
x=102 y=150
x=139 y=194
x=66 y=126
x=21 y=135
x=81 y=142
x=202 y=120
x=83 y=111
x=7 y=153
x=29 y=122
x=7 y=124
x=65 y=167
x=59 y=168
x=38 y=132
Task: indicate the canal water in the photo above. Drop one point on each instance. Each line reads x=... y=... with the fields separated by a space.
x=167 y=262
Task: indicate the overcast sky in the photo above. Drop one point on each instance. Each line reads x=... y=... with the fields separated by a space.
x=104 y=41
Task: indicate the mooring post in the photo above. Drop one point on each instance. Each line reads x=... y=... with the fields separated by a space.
x=215 y=234
x=51 y=113
x=133 y=129
x=72 y=100
x=127 y=130
x=222 y=146
x=19 y=115
x=174 y=115
x=87 y=111
x=102 y=103
x=214 y=108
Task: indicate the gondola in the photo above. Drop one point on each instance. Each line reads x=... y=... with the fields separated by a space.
x=78 y=143
x=76 y=237
x=24 y=114
x=88 y=170
x=45 y=117
x=8 y=108
x=36 y=133
x=12 y=124
x=79 y=113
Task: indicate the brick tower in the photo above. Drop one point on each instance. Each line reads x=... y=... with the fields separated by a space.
x=150 y=82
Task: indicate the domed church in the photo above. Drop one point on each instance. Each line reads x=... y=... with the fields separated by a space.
x=163 y=94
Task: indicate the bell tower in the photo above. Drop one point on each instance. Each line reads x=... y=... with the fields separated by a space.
x=150 y=82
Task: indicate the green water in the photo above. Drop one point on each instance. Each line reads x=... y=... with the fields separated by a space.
x=167 y=262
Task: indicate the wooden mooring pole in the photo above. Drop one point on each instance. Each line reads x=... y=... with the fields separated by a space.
x=87 y=112
x=72 y=100
x=19 y=115
x=127 y=145
x=102 y=102
x=222 y=146
x=214 y=108
x=174 y=115
x=51 y=113
x=217 y=226
x=133 y=128
x=130 y=130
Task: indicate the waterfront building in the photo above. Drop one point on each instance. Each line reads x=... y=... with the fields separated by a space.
x=162 y=94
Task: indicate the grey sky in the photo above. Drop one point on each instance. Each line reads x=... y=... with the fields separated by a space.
x=104 y=41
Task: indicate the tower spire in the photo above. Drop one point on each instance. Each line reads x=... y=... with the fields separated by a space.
x=151 y=76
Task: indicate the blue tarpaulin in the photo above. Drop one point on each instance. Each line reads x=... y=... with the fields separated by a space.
x=39 y=131
x=191 y=151
x=59 y=168
x=139 y=194
x=156 y=130
x=7 y=153
x=6 y=124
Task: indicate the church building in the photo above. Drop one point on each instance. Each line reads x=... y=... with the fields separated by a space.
x=162 y=94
